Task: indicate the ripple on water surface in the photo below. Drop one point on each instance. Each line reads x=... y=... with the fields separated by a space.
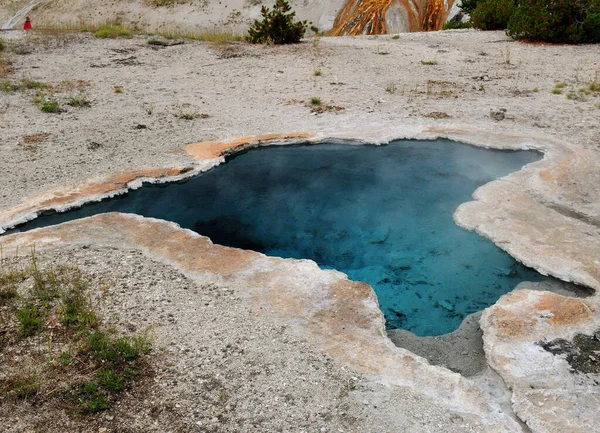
x=381 y=214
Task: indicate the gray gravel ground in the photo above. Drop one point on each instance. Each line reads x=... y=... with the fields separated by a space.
x=219 y=367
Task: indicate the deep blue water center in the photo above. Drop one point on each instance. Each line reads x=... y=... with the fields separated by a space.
x=381 y=214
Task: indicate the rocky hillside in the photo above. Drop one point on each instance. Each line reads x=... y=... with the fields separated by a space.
x=339 y=17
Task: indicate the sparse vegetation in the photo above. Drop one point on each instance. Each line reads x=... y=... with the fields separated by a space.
x=47 y=104
x=165 y=3
x=50 y=316
x=79 y=101
x=118 y=89
x=557 y=91
x=391 y=88
x=112 y=30
x=278 y=26
x=315 y=101
x=317 y=73
x=429 y=62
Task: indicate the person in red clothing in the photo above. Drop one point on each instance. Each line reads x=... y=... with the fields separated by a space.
x=27 y=25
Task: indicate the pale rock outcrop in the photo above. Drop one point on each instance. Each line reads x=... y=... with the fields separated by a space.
x=527 y=339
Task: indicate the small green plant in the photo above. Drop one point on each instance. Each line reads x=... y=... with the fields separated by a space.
x=50 y=106
x=65 y=359
x=391 y=88
x=483 y=53
x=278 y=26
x=90 y=399
x=507 y=56
x=594 y=86
x=30 y=320
x=315 y=101
x=557 y=91
x=118 y=90
x=396 y=37
x=113 y=31
x=429 y=62
x=560 y=85
x=110 y=380
x=317 y=73
x=535 y=90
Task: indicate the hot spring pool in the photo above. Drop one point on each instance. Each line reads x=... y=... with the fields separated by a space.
x=381 y=214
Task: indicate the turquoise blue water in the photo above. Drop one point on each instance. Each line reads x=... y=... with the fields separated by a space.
x=381 y=214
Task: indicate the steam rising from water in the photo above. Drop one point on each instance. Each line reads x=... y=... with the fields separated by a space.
x=381 y=214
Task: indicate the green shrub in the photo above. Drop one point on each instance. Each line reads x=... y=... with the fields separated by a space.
x=451 y=25
x=468 y=6
x=558 y=21
x=278 y=26
x=493 y=14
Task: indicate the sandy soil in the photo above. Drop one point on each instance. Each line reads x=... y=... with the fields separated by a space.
x=244 y=90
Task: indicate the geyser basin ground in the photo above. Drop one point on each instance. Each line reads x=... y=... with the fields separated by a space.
x=381 y=214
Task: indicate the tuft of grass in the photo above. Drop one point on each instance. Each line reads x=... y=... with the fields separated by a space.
x=78 y=101
x=396 y=37
x=113 y=30
x=557 y=91
x=535 y=90
x=594 y=86
x=23 y=385
x=317 y=73
x=30 y=320
x=391 y=88
x=118 y=90
x=315 y=101
x=483 y=53
x=429 y=62
x=188 y=116
x=560 y=85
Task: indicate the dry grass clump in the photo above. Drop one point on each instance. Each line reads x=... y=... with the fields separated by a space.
x=112 y=30
x=53 y=345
